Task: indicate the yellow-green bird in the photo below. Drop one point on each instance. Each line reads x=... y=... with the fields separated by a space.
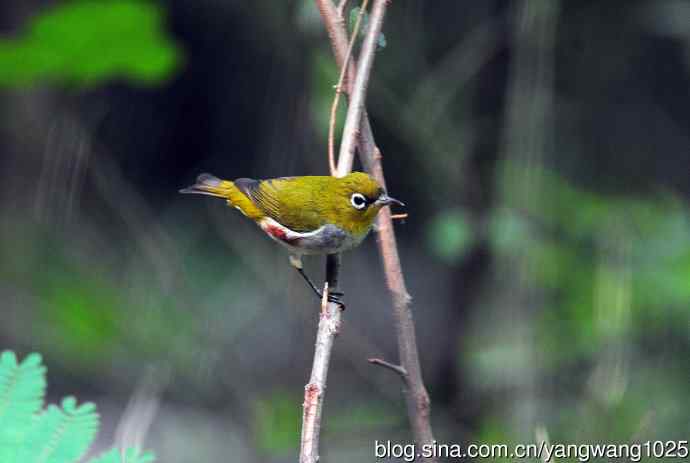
x=307 y=215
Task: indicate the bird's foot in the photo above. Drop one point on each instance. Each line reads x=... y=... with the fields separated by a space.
x=335 y=297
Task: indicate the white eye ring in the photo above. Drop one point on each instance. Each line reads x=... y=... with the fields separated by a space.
x=358 y=201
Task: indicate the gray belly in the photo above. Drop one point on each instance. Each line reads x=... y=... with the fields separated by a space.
x=328 y=239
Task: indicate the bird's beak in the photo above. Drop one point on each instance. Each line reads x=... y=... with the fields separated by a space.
x=385 y=200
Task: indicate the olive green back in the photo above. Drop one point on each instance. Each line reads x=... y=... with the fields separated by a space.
x=304 y=204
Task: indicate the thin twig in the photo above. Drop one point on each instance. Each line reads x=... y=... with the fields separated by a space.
x=324 y=297
x=335 y=27
x=391 y=366
x=418 y=404
x=339 y=89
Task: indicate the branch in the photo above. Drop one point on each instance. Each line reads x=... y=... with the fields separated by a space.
x=329 y=325
x=394 y=368
x=329 y=322
x=341 y=8
x=339 y=88
x=359 y=88
x=335 y=26
x=418 y=403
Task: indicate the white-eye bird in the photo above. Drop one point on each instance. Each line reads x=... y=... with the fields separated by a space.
x=307 y=215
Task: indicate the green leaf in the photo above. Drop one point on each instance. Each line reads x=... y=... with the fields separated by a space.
x=87 y=42
x=381 y=41
x=54 y=435
x=131 y=455
x=61 y=435
x=22 y=387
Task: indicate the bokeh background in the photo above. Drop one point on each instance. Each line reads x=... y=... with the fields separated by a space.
x=542 y=148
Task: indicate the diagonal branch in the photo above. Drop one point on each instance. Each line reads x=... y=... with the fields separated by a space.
x=359 y=88
x=418 y=403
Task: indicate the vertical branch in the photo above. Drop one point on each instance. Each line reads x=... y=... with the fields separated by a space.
x=417 y=398
x=329 y=322
x=329 y=325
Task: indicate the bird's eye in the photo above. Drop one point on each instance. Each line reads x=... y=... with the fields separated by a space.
x=358 y=201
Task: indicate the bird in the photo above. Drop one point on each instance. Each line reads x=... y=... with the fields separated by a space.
x=308 y=215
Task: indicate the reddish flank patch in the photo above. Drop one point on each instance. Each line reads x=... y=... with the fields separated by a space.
x=276 y=232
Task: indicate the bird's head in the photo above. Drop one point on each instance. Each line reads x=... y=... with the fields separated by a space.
x=357 y=198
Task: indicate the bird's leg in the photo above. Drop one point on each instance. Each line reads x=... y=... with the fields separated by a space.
x=333 y=296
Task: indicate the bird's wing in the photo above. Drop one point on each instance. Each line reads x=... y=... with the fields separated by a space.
x=290 y=201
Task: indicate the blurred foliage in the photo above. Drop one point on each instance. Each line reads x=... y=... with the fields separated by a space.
x=612 y=274
x=579 y=240
x=325 y=78
x=86 y=42
x=69 y=306
x=449 y=235
x=277 y=423
x=29 y=433
x=366 y=416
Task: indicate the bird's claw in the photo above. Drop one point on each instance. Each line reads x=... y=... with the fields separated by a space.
x=335 y=297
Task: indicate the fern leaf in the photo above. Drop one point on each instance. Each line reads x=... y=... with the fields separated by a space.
x=60 y=435
x=22 y=388
x=54 y=435
x=131 y=455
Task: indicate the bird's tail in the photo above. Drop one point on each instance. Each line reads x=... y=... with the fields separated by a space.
x=207 y=184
